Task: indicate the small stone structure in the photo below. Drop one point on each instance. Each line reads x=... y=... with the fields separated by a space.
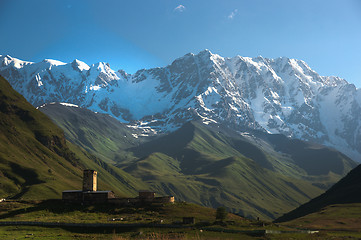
x=142 y=199
x=90 y=180
x=90 y=195
x=145 y=194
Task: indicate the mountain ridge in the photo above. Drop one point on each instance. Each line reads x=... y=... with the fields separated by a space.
x=279 y=95
x=210 y=164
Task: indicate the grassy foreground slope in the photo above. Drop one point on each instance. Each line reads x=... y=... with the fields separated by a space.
x=340 y=217
x=147 y=222
x=35 y=159
x=347 y=190
x=57 y=211
x=163 y=216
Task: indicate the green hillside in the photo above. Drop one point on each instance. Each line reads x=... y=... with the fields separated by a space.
x=340 y=217
x=255 y=175
x=156 y=222
x=199 y=165
x=36 y=161
x=347 y=190
x=99 y=134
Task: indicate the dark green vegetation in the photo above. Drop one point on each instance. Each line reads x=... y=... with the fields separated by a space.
x=36 y=161
x=347 y=190
x=205 y=227
x=338 y=209
x=255 y=175
x=56 y=210
x=172 y=214
x=341 y=217
x=221 y=213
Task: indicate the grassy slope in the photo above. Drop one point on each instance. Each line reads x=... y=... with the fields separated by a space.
x=35 y=160
x=29 y=144
x=100 y=134
x=347 y=190
x=211 y=165
x=344 y=217
x=198 y=165
x=55 y=211
x=110 y=177
x=313 y=158
x=108 y=139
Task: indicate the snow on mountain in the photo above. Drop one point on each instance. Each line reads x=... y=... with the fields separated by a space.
x=279 y=95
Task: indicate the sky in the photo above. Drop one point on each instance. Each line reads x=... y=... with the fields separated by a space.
x=136 y=34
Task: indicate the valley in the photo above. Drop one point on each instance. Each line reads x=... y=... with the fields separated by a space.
x=257 y=174
x=210 y=164
x=180 y=120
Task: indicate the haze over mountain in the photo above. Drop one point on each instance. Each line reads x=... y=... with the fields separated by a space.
x=273 y=95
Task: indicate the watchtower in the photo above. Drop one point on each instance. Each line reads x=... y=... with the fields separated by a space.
x=89 y=180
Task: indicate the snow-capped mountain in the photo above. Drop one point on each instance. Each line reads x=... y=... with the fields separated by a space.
x=275 y=95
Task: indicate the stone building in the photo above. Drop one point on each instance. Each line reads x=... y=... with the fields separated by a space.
x=145 y=194
x=90 y=195
x=90 y=180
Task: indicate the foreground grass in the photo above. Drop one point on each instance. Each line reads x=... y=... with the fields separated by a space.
x=57 y=211
x=40 y=233
x=22 y=232
x=205 y=228
x=341 y=217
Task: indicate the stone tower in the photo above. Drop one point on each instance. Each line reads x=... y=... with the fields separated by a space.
x=90 y=180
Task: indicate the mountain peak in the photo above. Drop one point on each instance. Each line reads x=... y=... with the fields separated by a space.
x=202 y=54
x=7 y=60
x=205 y=52
x=260 y=58
x=279 y=95
x=80 y=65
x=53 y=62
x=101 y=66
x=6 y=56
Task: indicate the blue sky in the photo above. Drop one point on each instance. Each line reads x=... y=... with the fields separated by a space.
x=137 y=34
